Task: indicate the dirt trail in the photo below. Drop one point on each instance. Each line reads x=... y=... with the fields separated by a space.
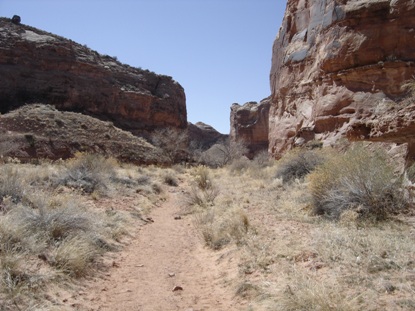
x=167 y=253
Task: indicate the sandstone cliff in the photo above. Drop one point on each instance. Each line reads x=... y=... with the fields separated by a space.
x=249 y=124
x=36 y=66
x=337 y=68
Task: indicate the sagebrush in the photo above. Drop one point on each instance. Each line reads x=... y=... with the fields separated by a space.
x=362 y=180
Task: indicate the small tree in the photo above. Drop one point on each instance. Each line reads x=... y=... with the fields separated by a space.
x=172 y=143
x=222 y=154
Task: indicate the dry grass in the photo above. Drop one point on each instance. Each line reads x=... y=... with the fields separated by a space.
x=361 y=180
x=287 y=257
x=12 y=184
x=203 y=191
x=49 y=231
x=89 y=173
x=220 y=225
x=292 y=259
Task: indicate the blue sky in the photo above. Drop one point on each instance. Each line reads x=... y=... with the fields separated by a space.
x=218 y=50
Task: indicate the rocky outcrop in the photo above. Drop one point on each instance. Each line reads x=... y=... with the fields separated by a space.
x=203 y=136
x=249 y=124
x=338 y=65
x=395 y=124
x=40 y=131
x=36 y=66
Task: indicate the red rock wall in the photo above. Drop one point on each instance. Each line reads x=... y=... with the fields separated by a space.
x=249 y=124
x=36 y=66
x=336 y=64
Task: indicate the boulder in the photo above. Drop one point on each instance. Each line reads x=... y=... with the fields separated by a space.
x=16 y=19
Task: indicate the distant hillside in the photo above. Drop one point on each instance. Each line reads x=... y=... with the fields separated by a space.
x=41 y=131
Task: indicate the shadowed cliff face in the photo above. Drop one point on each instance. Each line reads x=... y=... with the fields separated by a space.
x=36 y=66
x=338 y=65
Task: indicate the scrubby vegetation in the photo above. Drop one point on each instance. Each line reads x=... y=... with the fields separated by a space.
x=316 y=230
x=298 y=163
x=51 y=217
x=355 y=255
x=360 y=180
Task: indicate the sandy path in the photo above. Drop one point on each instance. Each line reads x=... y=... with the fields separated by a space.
x=165 y=254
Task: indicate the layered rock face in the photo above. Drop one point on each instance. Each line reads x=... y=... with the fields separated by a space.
x=36 y=66
x=338 y=65
x=249 y=124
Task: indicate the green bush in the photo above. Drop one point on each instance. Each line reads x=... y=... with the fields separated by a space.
x=359 y=180
x=297 y=164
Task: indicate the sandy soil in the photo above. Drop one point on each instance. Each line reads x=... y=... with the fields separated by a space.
x=165 y=267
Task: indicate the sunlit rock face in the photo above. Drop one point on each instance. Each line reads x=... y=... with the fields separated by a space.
x=337 y=68
x=249 y=124
x=36 y=66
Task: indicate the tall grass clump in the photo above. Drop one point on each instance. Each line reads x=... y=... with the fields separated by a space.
x=203 y=192
x=307 y=292
x=298 y=163
x=89 y=173
x=360 y=180
x=11 y=183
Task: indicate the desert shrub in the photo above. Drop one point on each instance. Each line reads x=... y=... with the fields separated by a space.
x=306 y=292
x=359 y=180
x=220 y=227
x=74 y=255
x=202 y=198
x=409 y=87
x=50 y=220
x=202 y=177
x=203 y=192
x=12 y=274
x=262 y=159
x=170 y=179
x=223 y=153
x=240 y=165
x=297 y=164
x=89 y=173
x=11 y=183
x=410 y=173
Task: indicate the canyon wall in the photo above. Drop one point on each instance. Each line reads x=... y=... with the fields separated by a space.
x=39 y=67
x=337 y=71
x=249 y=124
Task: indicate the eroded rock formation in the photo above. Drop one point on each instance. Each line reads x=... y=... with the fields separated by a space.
x=36 y=66
x=249 y=124
x=337 y=67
